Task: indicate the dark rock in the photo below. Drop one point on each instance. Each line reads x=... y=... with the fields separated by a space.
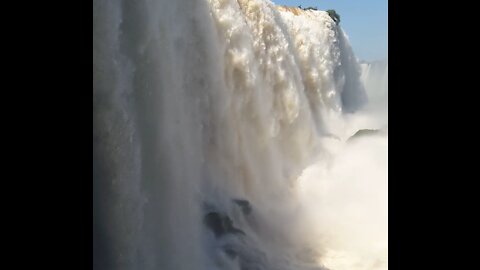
x=236 y=231
x=244 y=205
x=364 y=132
x=231 y=252
x=220 y=224
x=334 y=15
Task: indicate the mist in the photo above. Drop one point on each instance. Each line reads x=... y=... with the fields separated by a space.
x=235 y=135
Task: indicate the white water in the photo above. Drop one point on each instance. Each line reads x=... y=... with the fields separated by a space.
x=200 y=102
x=375 y=79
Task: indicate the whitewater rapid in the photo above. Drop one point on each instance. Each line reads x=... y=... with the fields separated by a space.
x=198 y=103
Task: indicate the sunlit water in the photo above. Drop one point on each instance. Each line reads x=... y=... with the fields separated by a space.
x=197 y=103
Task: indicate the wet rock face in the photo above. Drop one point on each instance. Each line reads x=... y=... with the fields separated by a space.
x=244 y=205
x=239 y=248
x=365 y=133
x=231 y=251
x=220 y=224
x=233 y=247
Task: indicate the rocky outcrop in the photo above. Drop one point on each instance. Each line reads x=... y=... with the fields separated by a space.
x=366 y=133
x=244 y=205
x=221 y=224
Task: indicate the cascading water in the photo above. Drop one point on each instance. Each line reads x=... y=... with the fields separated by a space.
x=220 y=140
x=375 y=79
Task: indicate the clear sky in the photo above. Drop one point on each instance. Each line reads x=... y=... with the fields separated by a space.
x=364 y=21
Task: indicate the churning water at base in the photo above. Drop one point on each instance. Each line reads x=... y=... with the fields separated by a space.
x=225 y=137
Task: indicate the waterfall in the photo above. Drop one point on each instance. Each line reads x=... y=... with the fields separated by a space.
x=212 y=119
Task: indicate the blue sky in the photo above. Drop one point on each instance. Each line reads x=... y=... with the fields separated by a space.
x=364 y=21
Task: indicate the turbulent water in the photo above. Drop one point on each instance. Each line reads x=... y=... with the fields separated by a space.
x=220 y=140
